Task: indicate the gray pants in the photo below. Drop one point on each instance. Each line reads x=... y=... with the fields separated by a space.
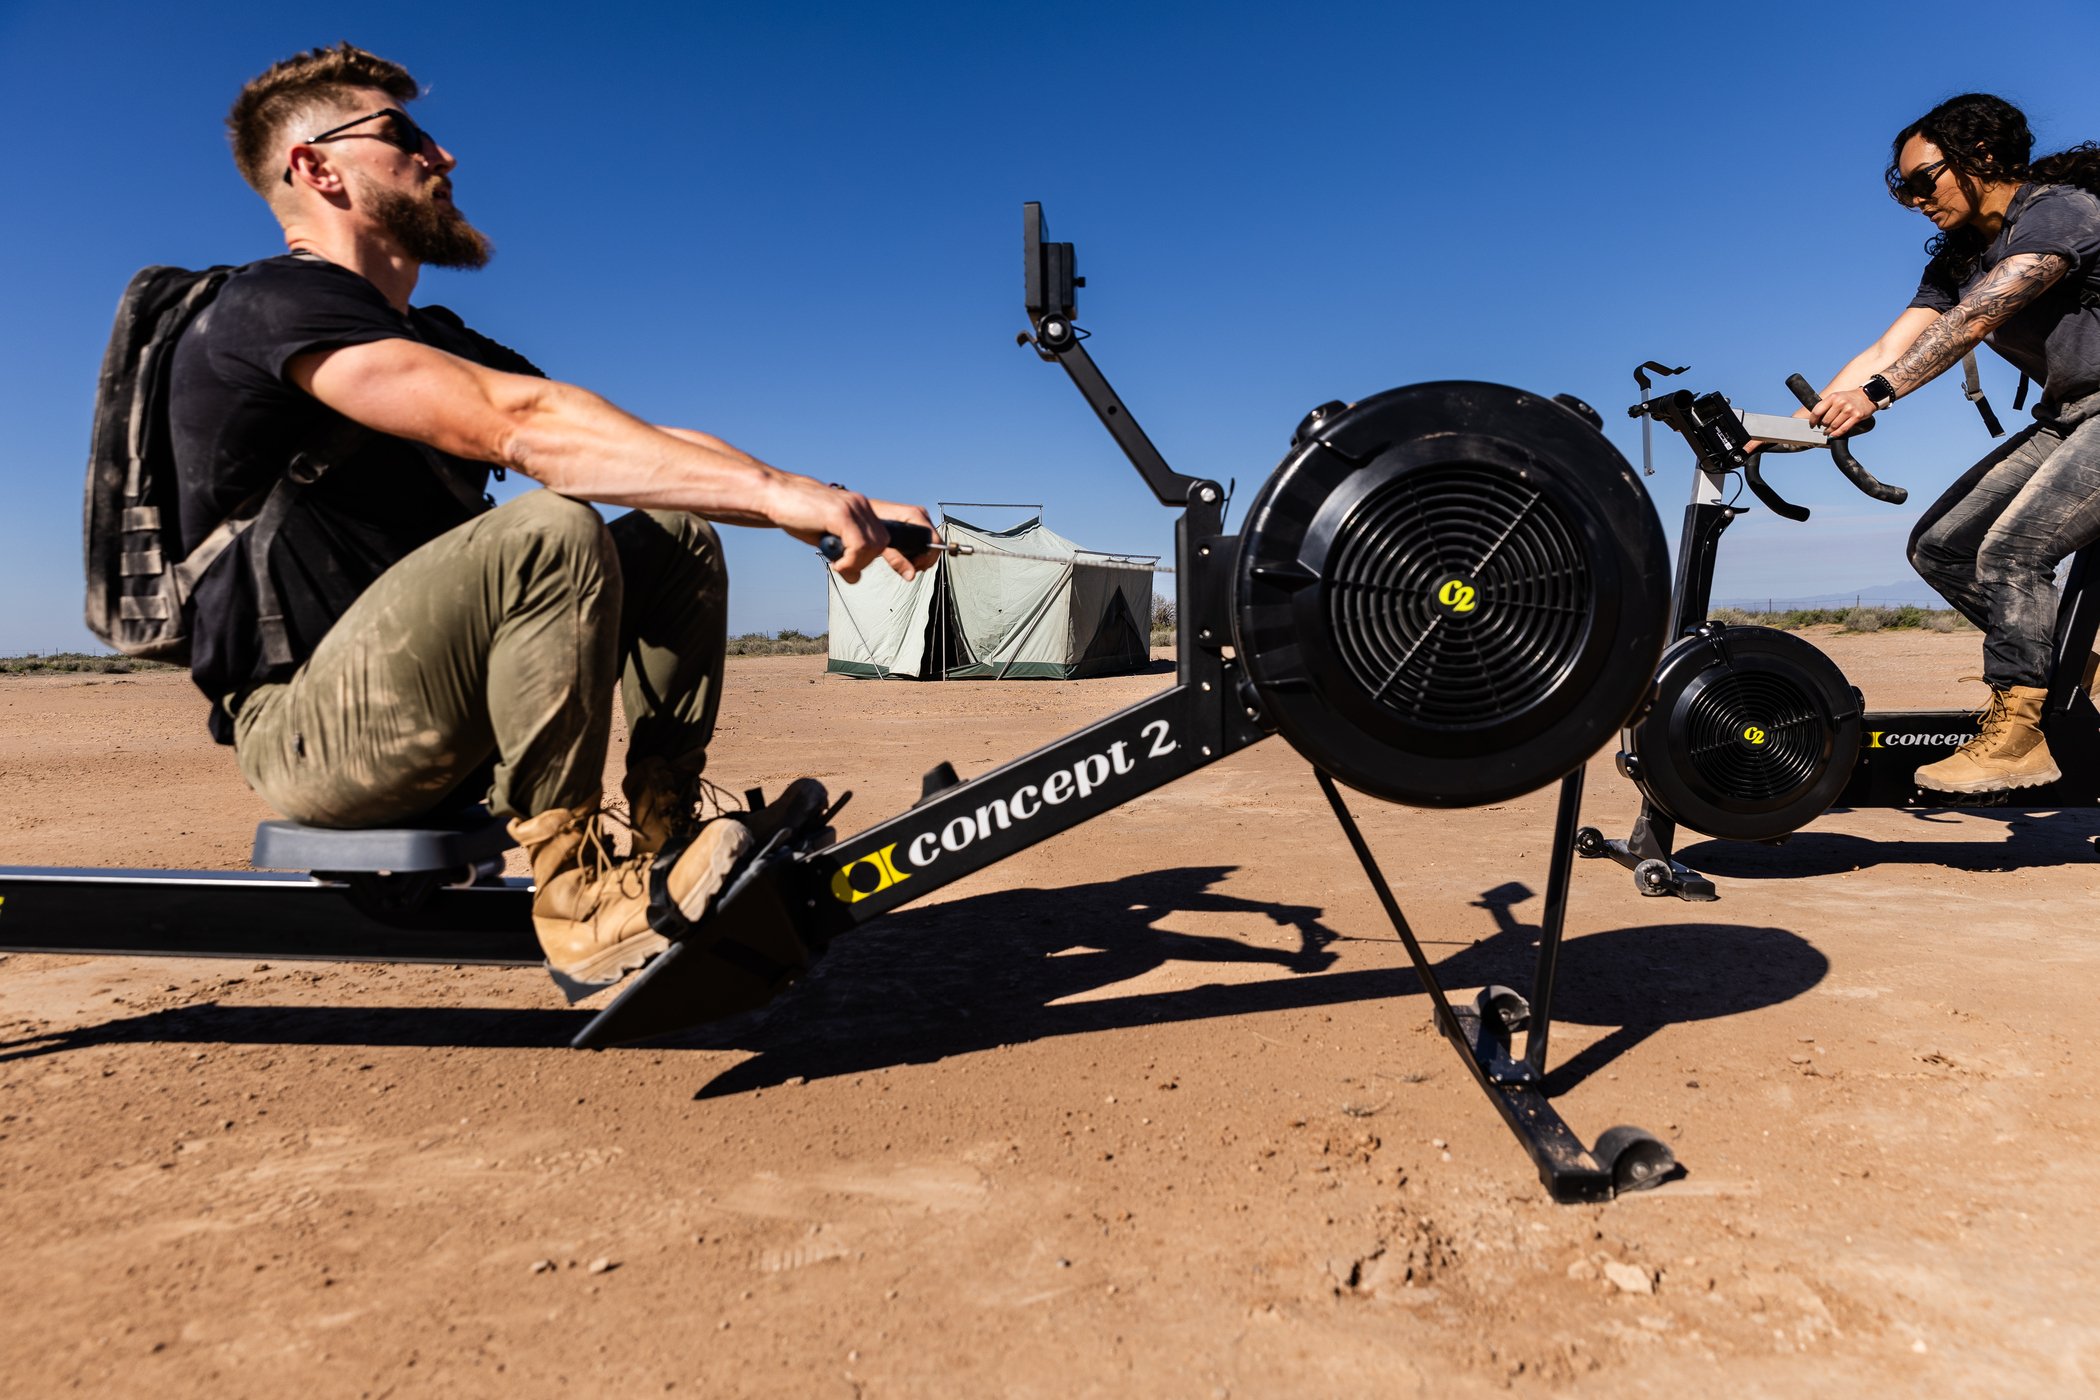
x=1990 y=545
x=499 y=642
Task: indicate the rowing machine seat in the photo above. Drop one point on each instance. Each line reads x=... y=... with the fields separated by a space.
x=462 y=840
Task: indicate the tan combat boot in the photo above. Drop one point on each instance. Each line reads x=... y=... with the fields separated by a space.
x=665 y=805
x=591 y=908
x=2008 y=753
x=662 y=805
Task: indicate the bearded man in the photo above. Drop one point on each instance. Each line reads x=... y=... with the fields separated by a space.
x=383 y=642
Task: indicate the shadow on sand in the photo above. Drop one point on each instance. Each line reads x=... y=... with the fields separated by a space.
x=2031 y=839
x=996 y=969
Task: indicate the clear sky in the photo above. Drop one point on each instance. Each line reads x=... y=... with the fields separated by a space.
x=797 y=225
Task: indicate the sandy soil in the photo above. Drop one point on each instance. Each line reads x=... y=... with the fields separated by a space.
x=1151 y=1109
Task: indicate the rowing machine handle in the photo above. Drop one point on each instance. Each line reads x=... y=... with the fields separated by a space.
x=1841 y=454
x=907 y=539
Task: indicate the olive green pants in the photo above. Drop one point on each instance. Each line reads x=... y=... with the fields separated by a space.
x=497 y=644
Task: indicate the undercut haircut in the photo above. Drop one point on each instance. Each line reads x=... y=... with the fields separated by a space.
x=290 y=93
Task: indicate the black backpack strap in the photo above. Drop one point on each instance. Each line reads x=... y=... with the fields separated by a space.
x=269 y=607
x=1972 y=387
x=305 y=469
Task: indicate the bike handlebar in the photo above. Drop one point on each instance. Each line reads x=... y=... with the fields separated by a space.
x=1842 y=454
x=1774 y=502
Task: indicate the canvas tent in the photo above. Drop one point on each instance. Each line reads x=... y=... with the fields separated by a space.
x=1027 y=604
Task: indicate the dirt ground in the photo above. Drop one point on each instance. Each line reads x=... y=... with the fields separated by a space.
x=1152 y=1109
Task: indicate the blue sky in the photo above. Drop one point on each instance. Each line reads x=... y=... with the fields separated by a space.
x=797 y=226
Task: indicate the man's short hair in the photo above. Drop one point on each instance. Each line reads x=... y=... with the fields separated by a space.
x=294 y=91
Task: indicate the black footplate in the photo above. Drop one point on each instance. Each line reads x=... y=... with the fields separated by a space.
x=743 y=952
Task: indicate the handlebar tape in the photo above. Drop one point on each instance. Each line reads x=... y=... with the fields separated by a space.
x=1774 y=502
x=1841 y=454
x=909 y=540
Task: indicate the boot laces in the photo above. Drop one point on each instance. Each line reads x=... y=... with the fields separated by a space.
x=1994 y=715
x=697 y=803
x=711 y=800
x=599 y=861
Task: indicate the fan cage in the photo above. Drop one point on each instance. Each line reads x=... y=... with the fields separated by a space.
x=1796 y=736
x=1484 y=526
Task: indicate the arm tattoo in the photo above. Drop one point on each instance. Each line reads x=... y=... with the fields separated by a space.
x=2004 y=290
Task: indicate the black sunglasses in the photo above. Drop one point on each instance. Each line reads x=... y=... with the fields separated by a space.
x=402 y=134
x=1916 y=186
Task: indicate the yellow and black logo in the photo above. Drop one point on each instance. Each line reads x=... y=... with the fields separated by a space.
x=1457 y=596
x=1751 y=737
x=1885 y=739
x=871 y=874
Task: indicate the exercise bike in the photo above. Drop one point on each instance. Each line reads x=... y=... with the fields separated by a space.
x=1446 y=595
x=1751 y=733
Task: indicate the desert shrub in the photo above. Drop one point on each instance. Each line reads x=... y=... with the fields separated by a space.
x=788 y=643
x=61 y=662
x=1866 y=619
x=1162 y=621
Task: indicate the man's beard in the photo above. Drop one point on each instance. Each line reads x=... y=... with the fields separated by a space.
x=429 y=230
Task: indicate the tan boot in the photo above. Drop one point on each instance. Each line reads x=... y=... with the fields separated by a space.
x=664 y=805
x=591 y=908
x=2010 y=752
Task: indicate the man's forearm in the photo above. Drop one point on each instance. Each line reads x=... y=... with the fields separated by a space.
x=572 y=441
x=2004 y=291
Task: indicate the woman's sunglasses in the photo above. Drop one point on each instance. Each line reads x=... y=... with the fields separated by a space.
x=1916 y=186
x=401 y=133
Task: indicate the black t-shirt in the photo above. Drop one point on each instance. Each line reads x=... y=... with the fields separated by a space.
x=2055 y=340
x=239 y=425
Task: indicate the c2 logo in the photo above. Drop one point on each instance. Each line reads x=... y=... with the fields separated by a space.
x=1458 y=595
x=850 y=885
x=1753 y=735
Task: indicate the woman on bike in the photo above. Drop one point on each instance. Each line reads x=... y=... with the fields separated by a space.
x=2015 y=264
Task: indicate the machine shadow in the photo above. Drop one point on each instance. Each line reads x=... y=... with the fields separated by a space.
x=2032 y=838
x=1637 y=980
x=996 y=969
x=916 y=975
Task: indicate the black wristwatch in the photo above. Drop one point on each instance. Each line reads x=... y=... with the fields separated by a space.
x=1879 y=391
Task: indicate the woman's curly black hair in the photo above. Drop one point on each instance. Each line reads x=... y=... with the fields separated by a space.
x=1986 y=138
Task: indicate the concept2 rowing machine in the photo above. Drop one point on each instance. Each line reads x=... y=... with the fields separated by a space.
x=1751 y=732
x=1446 y=595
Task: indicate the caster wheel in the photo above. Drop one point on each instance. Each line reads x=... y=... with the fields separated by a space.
x=1502 y=1011
x=1589 y=842
x=1653 y=877
x=1637 y=1160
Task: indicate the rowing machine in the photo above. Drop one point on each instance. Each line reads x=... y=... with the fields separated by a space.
x=1751 y=733
x=1447 y=595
